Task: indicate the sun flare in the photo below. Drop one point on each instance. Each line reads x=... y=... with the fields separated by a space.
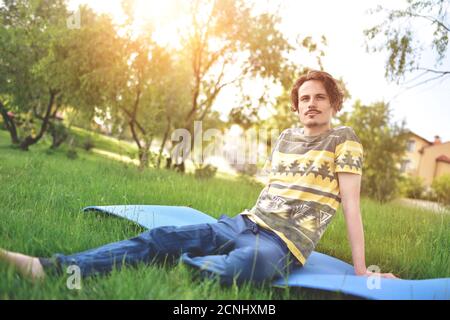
x=166 y=18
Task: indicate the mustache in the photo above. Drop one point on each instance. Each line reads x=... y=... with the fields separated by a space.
x=312 y=111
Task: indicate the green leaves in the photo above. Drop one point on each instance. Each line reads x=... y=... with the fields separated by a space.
x=398 y=36
x=384 y=144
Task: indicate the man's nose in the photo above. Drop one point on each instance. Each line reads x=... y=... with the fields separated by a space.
x=312 y=104
x=312 y=101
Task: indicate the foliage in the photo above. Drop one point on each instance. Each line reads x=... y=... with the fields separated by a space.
x=412 y=186
x=227 y=44
x=58 y=132
x=399 y=32
x=27 y=31
x=88 y=144
x=248 y=169
x=72 y=153
x=441 y=187
x=384 y=145
x=45 y=65
x=205 y=172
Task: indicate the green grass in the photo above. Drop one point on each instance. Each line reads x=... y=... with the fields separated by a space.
x=42 y=194
x=103 y=142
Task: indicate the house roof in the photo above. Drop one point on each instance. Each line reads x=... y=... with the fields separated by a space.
x=443 y=158
x=415 y=134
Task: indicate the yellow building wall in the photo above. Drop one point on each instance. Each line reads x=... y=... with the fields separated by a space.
x=415 y=156
x=442 y=168
x=428 y=166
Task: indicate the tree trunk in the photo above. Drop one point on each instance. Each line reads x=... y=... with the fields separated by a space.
x=30 y=140
x=179 y=165
x=10 y=125
x=143 y=158
x=144 y=153
x=163 y=143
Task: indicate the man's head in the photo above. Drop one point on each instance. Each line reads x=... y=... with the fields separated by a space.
x=316 y=97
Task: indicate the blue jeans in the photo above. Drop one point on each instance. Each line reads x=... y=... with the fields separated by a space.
x=233 y=249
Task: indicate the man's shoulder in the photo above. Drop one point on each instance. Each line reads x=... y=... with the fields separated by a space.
x=343 y=129
x=343 y=133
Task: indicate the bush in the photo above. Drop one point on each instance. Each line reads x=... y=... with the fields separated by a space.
x=88 y=144
x=58 y=132
x=245 y=179
x=441 y=187
x=72 y=154
x=205 y=172
x=249 y=169
x=429 y=195
x=412 y=187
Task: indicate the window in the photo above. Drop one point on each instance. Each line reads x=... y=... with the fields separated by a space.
x=405 y=165
x=410 y=145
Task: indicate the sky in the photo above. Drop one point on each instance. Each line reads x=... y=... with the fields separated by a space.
x=426 y=108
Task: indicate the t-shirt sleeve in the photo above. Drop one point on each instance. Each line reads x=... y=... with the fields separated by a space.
x=349 y=152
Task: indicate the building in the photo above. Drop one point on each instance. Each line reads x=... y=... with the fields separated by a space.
x=426 y=159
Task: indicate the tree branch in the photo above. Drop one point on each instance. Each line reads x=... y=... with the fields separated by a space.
x=435 y=71
x=429 y=18
x=29 y=140
x=428 y=80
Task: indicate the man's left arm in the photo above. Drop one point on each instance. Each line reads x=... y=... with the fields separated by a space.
x=349 y=188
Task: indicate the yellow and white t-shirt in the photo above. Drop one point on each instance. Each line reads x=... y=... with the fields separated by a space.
x=302 y=194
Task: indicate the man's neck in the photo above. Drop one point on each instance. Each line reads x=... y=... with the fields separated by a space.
x=316 y=130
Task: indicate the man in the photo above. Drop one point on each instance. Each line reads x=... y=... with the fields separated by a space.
x=311 y=170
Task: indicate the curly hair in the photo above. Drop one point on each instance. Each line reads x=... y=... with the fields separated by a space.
x=331 y=85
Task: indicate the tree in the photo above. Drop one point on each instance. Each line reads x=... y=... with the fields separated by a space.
x=26 y=30
x=146 y=95
x=226 y=36
x=399 y=34
x=384 y=145
x=148 y=88
x=45 y=65
x=85 y=64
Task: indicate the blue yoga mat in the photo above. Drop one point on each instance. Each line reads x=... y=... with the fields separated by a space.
x=320 y=271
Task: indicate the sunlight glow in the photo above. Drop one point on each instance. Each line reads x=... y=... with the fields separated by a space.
x=164 y=18
x=342 y=24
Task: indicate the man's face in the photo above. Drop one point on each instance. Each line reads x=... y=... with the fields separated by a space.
x=314 y=106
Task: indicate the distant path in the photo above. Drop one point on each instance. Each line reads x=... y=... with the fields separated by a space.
x=115 y=156
x=430 y=205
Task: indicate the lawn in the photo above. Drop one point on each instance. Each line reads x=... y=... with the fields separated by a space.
x=42 y=194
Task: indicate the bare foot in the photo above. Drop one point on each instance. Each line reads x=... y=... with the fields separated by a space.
x=28 y=266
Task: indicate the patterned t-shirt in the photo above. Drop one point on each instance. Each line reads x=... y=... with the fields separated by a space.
x=302 y=193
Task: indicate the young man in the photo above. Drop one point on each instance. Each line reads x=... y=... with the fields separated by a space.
x=311 y=170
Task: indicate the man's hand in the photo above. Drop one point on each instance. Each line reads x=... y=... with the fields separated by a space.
x=368 y=273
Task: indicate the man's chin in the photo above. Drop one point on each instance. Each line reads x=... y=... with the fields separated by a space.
x=311 y=124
